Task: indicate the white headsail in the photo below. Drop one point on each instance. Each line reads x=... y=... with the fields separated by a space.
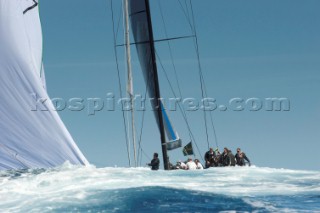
x=30 y=135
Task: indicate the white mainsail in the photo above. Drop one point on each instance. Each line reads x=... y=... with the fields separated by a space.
x=29 y=138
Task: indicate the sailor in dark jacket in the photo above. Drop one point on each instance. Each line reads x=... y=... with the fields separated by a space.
x=241 y=159
x=227 y=158
x=224 y=159
x=209 y=158
x=232 y=160
x=155 y=162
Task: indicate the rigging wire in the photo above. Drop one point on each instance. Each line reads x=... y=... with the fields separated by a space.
x=173 y=64
x=205 y=88
x=192 y=25
x=142 y=125
x=181 y=110
x=170 y=49
x=176 y=75
x=119 y=80
x=119 y=19
x=186 y=13
x=140 y=139
x=191 y=22
x=200 y=69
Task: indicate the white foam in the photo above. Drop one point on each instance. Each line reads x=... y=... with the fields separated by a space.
x=73 y=184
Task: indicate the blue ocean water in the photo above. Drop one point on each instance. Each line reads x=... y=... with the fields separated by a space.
x=90 y=189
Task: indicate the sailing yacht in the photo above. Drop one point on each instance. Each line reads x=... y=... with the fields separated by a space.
x=32 y=133
x=142 y=30
x=140 y=17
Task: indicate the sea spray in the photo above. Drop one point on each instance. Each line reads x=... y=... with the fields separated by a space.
x=80 y=189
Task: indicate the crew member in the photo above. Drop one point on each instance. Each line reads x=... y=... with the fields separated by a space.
x=241 y=162
x=155 y=162
x=209 y=158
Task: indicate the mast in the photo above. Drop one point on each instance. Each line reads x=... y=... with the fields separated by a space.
x=157 y=89
x=129 y=78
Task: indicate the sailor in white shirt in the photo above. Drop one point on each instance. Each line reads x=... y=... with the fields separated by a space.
x=181 y=165
x=191 y=165
x=199 y=165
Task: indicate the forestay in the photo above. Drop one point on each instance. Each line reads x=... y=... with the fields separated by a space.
x=29 y=138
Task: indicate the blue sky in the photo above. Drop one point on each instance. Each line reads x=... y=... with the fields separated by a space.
x=248 y=48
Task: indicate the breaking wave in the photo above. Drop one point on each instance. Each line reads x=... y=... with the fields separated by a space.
x=89 y=189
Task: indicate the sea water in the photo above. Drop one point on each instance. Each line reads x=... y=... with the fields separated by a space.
x=89 y=189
